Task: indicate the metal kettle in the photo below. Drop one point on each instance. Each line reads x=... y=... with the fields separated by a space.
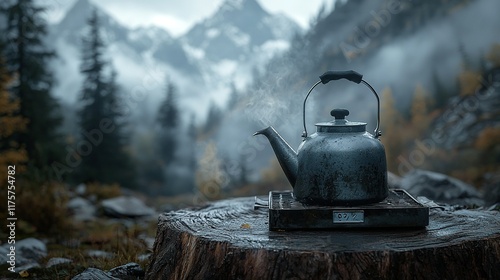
x=341 y=163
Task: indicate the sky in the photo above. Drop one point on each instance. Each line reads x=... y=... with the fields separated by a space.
x=178 y=16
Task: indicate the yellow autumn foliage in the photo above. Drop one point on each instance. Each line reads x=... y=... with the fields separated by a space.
x=469 y=82
x=210 y=177
x=488 y=138
x=493 y=55
x=398 y=133
x=420 y=118
x=392 y=126
x=10 y=123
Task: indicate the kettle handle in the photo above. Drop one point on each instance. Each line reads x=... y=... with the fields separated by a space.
x=350 y=75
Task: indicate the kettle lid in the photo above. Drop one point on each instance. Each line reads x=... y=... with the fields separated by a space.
x=340 y=124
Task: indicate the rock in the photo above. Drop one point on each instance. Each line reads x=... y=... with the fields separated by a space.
x=440 y=187
x=21 y=263
x=57 y=261
x=27 y=253
x=143 y=257
x=82 y=209
x=99 y=254
x=126 y=207
x=492 y=189
x=4 y=250
x=494 y=207
x=130 y=271
x=31 y=248
x=94 y=274
x=492 y=193
x=461 y=123
x=81 y=189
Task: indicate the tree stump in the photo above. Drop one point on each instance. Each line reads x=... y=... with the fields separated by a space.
x=228 y=239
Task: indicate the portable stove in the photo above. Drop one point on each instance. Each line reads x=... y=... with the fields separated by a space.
x=398 y=210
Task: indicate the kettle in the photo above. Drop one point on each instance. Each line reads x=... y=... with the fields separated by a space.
x=341 y=163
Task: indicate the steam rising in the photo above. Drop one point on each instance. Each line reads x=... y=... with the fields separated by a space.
x=400 y=64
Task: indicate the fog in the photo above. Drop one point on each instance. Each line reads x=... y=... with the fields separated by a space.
x=363 y=39
x=438 y=48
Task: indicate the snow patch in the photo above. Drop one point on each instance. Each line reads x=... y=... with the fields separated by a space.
x=212 y=33
x=226 y=67
x=275 y=46
x=238 y=37
x=193 y=52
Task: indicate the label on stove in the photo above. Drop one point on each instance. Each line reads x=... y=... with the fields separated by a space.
x=348 y=216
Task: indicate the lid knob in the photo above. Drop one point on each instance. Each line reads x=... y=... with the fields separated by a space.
x=339 y=114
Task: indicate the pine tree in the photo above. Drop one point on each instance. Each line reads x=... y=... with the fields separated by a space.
x=101 y=123
x=420 y=118
x=441 y=93
x=214 y=118
x=233 y=97
x=168 y=119
x=27 y=58
x=493 y=55
x=11 y=153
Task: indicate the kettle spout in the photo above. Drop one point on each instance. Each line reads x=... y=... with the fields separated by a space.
x=287 y=157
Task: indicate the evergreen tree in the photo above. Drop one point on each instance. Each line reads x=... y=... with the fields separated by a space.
x=214 y=118
x=441 y=93
x=420 y=118
x=192 y=134
x=27 y=58
x=234 y=97
x=11 y=153
x=168 y=119
x=101 y=123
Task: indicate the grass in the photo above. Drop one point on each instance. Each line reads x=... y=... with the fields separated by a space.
x=42 y=214
x=124 y=242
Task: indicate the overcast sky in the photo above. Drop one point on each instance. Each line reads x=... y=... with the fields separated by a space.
x=177 y=16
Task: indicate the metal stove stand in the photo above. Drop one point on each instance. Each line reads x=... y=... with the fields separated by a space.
x=398 y=210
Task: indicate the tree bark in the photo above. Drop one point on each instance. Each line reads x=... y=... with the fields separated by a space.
x=228 y=239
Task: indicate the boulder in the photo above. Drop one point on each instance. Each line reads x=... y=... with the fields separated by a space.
x=81 y=189
x=130 y=271
x=31 y=248
x=492 y=189
x=440 y=187
x=94 y=274
x=99 y=254
x=28 y=252
x=82 y=209
x=126 y=207
x=57 y=261
x=144 y=257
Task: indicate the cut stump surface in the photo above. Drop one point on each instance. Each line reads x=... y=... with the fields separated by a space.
x=228 y=239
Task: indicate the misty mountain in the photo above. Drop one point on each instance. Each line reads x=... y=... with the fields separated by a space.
x=215 y=53
x=395 y=44
x=142 y=41
x=237 y=29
